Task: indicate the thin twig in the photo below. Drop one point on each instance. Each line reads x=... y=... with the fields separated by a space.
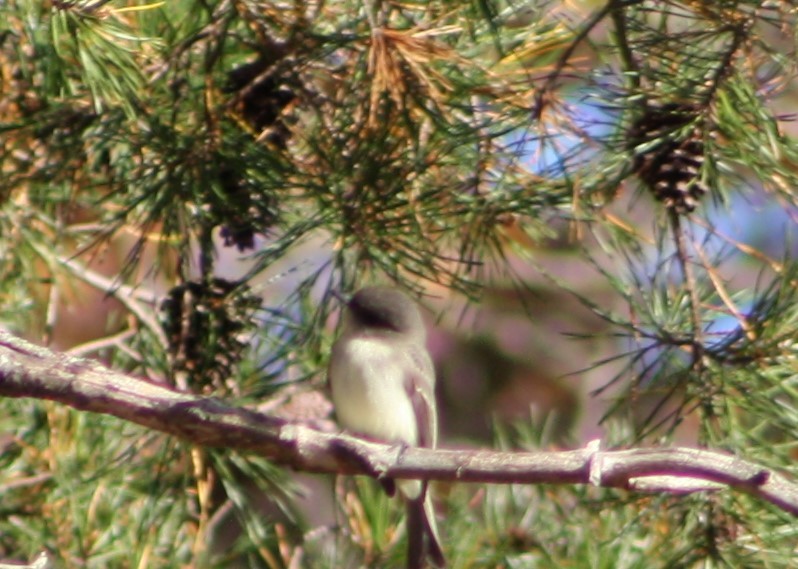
x=690 y=283
x=129 y=296
x=720 y=288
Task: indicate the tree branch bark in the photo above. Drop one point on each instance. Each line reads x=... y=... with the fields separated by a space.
x=31 y=371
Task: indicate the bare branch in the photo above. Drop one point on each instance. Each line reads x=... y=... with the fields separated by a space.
x=27 y=370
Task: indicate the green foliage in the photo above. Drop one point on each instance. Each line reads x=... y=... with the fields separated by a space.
x=87 y=487
x=438 y=145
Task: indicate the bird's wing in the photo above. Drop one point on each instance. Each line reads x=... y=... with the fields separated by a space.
x=420 y=387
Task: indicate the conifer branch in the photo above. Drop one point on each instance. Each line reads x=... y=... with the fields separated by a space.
x=27 y=370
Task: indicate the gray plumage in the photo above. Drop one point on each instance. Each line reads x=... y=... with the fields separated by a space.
x=383 y=386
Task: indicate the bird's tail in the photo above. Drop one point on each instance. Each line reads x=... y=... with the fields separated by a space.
x=422 y=534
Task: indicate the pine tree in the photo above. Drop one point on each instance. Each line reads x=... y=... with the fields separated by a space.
x=446 y=146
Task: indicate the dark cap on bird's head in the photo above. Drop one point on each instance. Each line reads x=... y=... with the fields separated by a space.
x=382 y=308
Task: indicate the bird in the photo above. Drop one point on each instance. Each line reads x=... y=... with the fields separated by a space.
x=383 y=387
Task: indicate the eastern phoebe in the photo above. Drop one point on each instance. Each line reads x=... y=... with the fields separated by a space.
x=383 y=386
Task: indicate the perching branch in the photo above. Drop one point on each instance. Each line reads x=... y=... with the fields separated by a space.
x=27 y=370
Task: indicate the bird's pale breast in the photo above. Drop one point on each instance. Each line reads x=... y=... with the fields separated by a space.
x=368 y=379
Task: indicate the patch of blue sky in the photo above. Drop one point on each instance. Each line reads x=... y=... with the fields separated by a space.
x=558 y=149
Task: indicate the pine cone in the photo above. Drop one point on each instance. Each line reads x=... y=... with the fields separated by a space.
x=670 y=164
x=241 y=209
x=262 y=99
x=204 y=324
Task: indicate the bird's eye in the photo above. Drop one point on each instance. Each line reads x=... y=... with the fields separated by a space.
x=374 y=319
